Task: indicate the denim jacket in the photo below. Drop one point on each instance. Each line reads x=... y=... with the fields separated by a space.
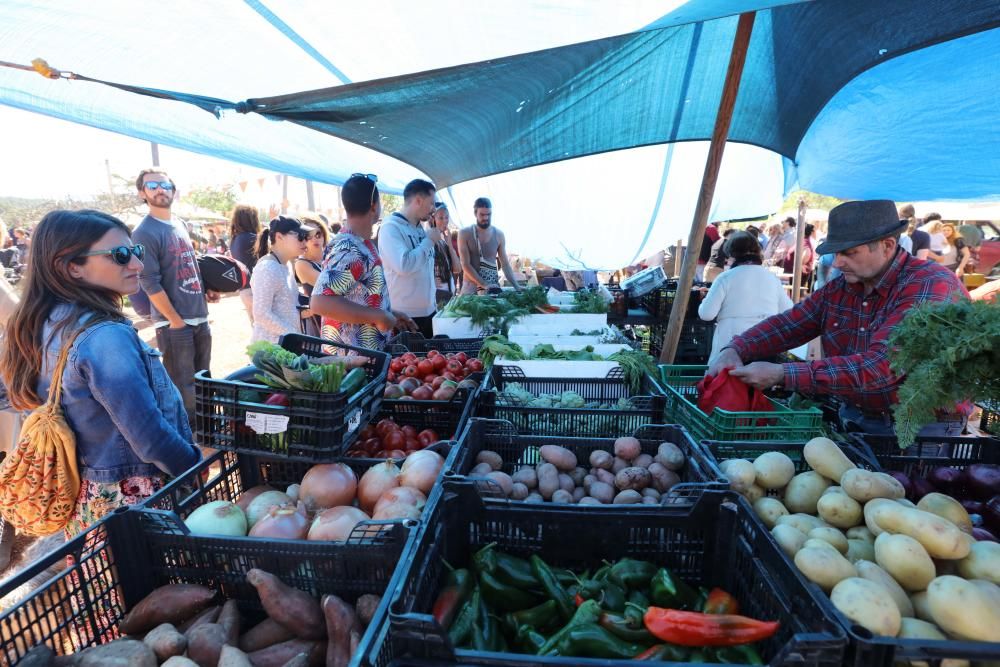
x=127 y=415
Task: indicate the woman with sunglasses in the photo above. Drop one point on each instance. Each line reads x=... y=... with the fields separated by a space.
x=275 y=295
x=308 y=265
x=128 y=417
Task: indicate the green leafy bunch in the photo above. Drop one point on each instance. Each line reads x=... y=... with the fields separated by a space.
x=949 y=352
x=588 y=301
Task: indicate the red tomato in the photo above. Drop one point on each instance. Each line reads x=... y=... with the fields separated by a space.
x=474 y=365
x=412 y=445
x=422 y=393
x=437 y=381
x=427 y=437
x=440 y=362
x=432 y=353
x=370 y=446
x=462 y=357
x=367 y=432
x=394 y=440
x=409 y=431
x=448 y=375
x=396 y=454
x=408 y=359
x=410 y=371
x=429 y=378
x=396 y=365
x=425 y=367
x=392 y=377
x=383 y=426
x=455 y=366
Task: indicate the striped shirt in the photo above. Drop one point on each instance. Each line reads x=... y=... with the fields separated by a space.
x=854 y=329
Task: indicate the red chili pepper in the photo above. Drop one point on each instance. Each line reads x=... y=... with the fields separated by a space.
x=691 y=628
x=720 y=602
x=577 y=600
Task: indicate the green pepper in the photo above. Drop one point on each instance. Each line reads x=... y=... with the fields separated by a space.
x=462 y=628
x=590 y=589
x=623 y=628
x=593 y=641
x=612 y=597
x=586 y=613
x=529 y=640
x=492 y=637
x=514 y=571
x=630 y=573
x=671 y=592
x=664 y=652
x=743 y=654
x=566 y=577
x=456 y=590
x=504 y=598
x=485 y=560
x=601 y=574
x=552 y=587
x=636 y=607
x=536 y=617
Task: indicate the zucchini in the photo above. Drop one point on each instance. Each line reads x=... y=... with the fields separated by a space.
x=353 y=381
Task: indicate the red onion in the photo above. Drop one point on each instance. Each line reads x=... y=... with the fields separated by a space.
x=983 y=535
x=984 y=480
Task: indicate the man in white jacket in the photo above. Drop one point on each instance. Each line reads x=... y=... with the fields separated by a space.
x=407 y=252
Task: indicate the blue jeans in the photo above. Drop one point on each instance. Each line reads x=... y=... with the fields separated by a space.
x=185 y=352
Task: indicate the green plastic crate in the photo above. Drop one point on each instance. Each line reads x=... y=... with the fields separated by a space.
x=681 y=408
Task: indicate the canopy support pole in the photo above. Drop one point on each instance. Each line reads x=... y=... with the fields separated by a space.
x=737 y=58
x=800 y=235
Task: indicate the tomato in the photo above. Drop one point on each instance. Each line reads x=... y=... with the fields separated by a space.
x=448 y=375
x=396 y=454
x=408 y=359
x=410 y=371
x=412 y=445
x=432 y=353
x=455 y=366
x=367 y=432
x=427 y=437
x=474 y=365
x=383 y=426
x=422 y=393
x=408 y=385
x=437 y=381
x=425 y=367
x=445 y=393
x=396 y=365
x=440 y=363
x=394 y=440
x=409 y=431
x=429 y=378
x=370 y=446
x=462 y=357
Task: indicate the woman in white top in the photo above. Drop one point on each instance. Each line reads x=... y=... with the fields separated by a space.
x=275 y=294
x=743 y=295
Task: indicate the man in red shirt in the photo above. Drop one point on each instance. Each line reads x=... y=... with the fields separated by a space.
x=852 y=314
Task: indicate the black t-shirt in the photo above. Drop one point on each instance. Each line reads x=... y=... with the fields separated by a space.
x=706 y=249
x=921 y=241
x=718 y=256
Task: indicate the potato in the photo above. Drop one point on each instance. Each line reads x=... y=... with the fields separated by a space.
x=904 y=558
x=872 y=511
x=566 y=482
x=864 y=485
x=605 y=476
x=824 y=566
x=578 y=494
x=802 y=522
x=669 y=456
x=741 y=474
x=914 y=628
x=632 y=478
x=651 y=493
x=619 y=464
x=548 y=479
x=965 y=609
x=831 y=535
x=773 y=470
x=839 y=510
x=481 y=469
x=643 y=461
x=983 y=562
x=939 y=537
x=789 y=538
x=119 y=653
x=816 y=543
x=602 y=492
x=627 y=448
x=754 y=493
x=825 y=457
x=519 y=491
x=904 y=502
x=920 y=608
x=647 y=500
x=835 y=489
x=663 y=479
x=861 y=533
x=577 y=475
x=534 y=497
x=628 y=497
x=165 y=641
x=587 y=500
x=562 y=496
x=601 y=459
x=769 y=509
x=526 y=475
x=872 y=572
x=804 y=491
x=181 y=661
x=587 y=481
x=948 y=508
x=502 y=480
x=563 y=459
x=860 y=550
x=868 y=604
x=492 y=458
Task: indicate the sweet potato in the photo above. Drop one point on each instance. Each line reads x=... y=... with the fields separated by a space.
x=233 y=657
x=119 y=653
x=208 y=615
x=229 y=619
x=301 y=660
x=279 y=654
x=165 y=641
x=294 y=609
x=366 y=607
x=173 y=603
x=266 y=633
x=340 y=621
x=40 y=656
x=205 y=644
x=181 y=661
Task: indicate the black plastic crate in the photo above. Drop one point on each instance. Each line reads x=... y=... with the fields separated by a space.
x=989 y=422
x=929 y=452
x=647 y=407
x=698 y=475
x=694 y=345
x=119 y=561
x=712 y=543
x=410 y=341
x=317 y=426
x=660 y=301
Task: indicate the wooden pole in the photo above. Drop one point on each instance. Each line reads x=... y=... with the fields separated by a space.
x=310 y=196
x=737 y=58
x=678 y=255
x=800 y=235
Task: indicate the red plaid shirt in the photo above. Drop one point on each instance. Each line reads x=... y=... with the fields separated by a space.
x=854 y=329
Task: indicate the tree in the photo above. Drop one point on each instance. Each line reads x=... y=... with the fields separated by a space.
x=218 y=199
x=813 y=200
x=390 y=204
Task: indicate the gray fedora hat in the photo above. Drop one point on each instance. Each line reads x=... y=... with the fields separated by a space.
x=855 y=223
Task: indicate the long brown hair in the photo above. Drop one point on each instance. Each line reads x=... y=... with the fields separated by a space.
x=59 y=240
x=244 y=220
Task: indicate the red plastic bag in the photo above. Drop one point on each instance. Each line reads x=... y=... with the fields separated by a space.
x=726 y=392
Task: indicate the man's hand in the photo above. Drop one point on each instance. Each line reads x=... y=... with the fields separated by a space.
x=177 y=324
x=761 y=375
x=726 y=359
x=212 y=296
x=434 y=234
x=405 y=322
x=385 y=321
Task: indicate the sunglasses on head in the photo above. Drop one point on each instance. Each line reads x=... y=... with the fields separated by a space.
x=158 y=185
x=120 y=254
x=371 y=177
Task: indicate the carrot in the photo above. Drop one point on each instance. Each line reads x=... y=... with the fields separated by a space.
x=266 y=633
x=293 y=609
x=172 y=603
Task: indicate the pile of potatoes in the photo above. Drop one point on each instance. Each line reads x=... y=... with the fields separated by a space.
x=622 y=475
x=892 y=567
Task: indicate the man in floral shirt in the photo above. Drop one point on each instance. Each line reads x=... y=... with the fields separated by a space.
x=351 y=294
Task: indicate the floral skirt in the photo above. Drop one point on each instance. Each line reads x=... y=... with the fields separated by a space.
x=97 y=499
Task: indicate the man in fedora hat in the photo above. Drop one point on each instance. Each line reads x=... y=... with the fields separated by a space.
x=853 y=314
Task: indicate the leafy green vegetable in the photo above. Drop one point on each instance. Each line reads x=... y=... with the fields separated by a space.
x=588 y=301
x=498 y=346
x=281 y=369
x=949 y=352
x=514 y=394
x=635 y=365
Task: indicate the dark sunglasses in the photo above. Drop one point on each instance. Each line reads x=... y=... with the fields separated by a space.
x=158 y=185
x=371 y=177
x=120 y=254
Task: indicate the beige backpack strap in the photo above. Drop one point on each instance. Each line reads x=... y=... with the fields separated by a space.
x=55 y=387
